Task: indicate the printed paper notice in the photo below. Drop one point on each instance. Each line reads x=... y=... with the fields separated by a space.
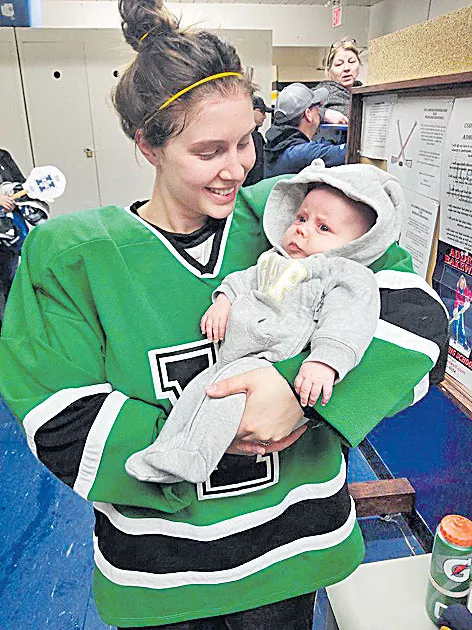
x=415 y=143
x=456 y=178
x=452 y=279
x=418 y=229
x=375 y=120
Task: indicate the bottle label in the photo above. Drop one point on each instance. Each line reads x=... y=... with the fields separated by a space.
x=457 y=569
x=444 y=591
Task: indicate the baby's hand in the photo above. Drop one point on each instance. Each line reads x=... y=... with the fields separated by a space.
x=213 y=322
x=312 y=379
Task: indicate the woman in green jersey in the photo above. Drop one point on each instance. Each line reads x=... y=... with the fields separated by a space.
x=101 y=334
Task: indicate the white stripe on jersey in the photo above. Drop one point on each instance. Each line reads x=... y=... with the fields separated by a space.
x=391 y=279
x=421 y=389
x=222 y=529
x=56 y=403
x=95 y=442
x=405 y=339
x=173 y=580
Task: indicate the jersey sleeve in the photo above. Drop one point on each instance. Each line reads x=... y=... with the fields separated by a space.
x=52 y=353
x=406 y=355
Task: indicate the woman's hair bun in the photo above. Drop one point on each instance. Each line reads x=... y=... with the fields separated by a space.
x=140 y=18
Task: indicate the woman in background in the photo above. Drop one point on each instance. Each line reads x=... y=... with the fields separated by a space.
x=342 y=69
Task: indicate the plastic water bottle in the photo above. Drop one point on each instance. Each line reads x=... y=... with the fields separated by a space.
x=450 y=571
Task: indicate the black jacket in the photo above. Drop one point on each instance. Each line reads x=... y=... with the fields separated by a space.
x=288 y=150
x=257 y=171
x=339 y=98
x=9 y=171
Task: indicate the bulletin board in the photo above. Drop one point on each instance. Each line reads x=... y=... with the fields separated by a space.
x=420 y=130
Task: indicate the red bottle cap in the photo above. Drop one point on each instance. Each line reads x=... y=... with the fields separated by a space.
x=457 y=530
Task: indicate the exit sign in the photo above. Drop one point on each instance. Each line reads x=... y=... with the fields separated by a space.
x=337 y=16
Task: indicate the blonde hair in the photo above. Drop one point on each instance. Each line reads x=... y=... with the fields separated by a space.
x=344 y=44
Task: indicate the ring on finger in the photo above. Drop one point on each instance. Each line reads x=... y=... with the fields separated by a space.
x=264 y=443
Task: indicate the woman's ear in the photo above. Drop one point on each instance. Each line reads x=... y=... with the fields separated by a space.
x=150 y=153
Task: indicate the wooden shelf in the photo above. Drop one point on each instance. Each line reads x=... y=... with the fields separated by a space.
x=458 y=394
x=383 y=496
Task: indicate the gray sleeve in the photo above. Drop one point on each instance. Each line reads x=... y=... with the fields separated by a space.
x=236 y=283
x=348 y=317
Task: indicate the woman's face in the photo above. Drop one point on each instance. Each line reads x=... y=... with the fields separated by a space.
x=345 y=67
x=199 y=171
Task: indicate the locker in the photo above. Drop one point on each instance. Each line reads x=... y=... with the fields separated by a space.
x=58 y=104
x=13 y=127
x=123 y=173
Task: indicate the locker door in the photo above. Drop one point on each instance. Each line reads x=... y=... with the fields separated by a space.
x=123 y=174
x=13 y=128
x=58 y=105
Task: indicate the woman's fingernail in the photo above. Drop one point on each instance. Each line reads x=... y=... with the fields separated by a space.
x=211 y=388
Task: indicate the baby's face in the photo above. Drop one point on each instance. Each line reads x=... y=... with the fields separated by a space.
x=326 y=220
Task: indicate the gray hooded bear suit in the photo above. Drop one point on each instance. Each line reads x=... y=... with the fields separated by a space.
x=329 y=302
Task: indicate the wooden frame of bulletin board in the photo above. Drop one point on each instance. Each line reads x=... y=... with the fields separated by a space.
x=455 y=85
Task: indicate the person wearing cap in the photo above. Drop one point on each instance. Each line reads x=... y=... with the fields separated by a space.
x=257 y=171
x=289 y=148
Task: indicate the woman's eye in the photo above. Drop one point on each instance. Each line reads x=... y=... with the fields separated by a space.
x=243 y=145
x=207 y=156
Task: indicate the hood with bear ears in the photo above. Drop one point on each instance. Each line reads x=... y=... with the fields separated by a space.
x=361 y=182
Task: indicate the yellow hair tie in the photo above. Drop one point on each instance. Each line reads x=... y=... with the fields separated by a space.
x=143 y=37
x=194 y=85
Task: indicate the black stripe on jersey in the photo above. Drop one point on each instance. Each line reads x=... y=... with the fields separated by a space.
x=418 y=312
x=182 y=242
x=60 y=442
x=215 y=249
x=306 y=518
x=237 y=474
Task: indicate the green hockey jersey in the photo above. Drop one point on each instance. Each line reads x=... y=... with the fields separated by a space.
x=100 y=337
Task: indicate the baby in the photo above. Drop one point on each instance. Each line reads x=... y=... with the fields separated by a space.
x=313 y=288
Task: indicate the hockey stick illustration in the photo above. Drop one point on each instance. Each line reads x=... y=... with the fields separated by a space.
x=398 y=158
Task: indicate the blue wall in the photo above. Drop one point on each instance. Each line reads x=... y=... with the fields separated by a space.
x=431 y=444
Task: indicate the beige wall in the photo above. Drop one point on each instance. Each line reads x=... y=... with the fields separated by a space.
x=393 y=15
x=291 y=25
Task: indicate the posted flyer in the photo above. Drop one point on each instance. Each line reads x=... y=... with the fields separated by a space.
x=452 y=279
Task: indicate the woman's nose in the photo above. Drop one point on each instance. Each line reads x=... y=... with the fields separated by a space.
x=233 y=169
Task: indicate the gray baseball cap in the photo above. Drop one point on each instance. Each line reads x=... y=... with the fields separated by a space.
x=295 y=98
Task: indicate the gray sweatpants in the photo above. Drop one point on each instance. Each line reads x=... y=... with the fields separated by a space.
x=198 y=430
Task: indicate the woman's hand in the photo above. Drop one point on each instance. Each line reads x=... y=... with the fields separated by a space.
x=7 y=203
x=271 y=412
x=244 y=447
x=333 y=117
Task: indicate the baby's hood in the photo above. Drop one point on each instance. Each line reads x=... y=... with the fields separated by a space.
x=361 y=182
